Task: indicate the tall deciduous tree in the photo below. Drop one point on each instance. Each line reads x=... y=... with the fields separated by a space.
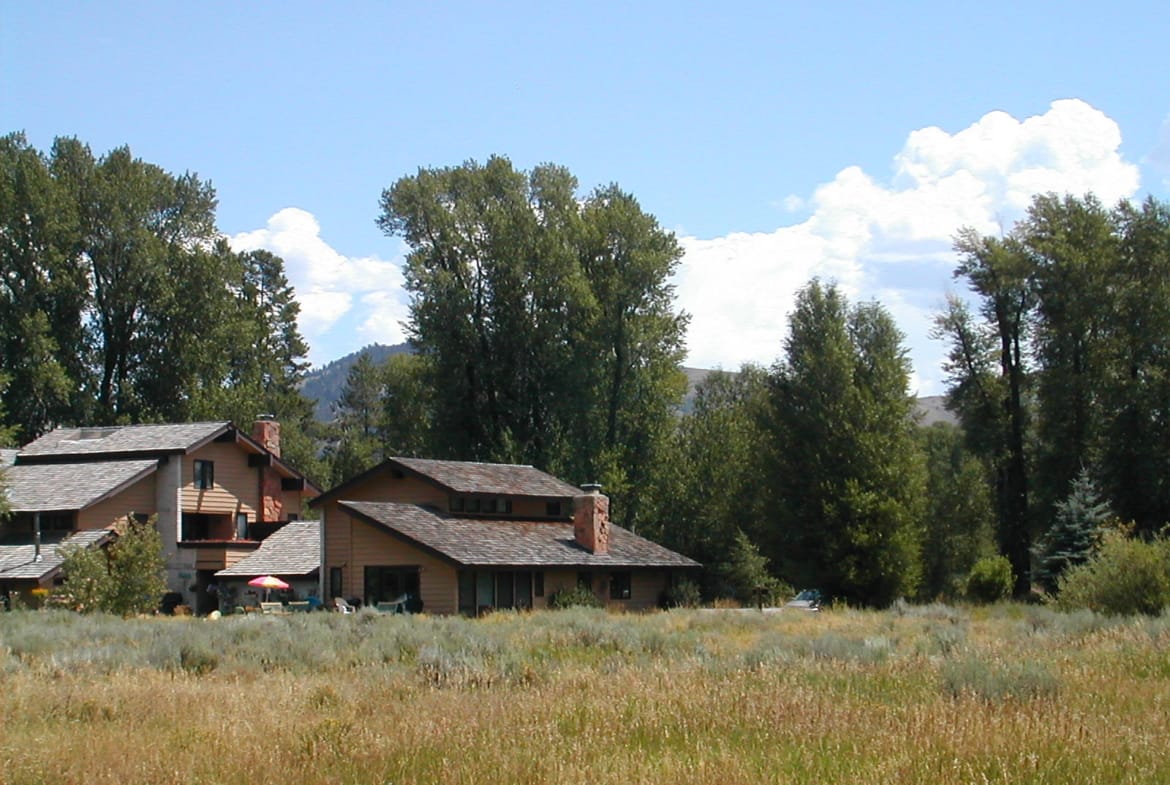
x=848 y=476
x=545 y=322
x=959 y=524
x=988 y=377
x=119 y=302
x=710 y=485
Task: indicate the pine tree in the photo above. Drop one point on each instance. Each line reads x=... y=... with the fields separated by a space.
x=1074 y=535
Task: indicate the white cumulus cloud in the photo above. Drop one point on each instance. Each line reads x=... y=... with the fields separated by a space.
x=334 y=290
x=891 y=241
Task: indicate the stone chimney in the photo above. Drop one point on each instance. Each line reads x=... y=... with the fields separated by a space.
x=266 y=430
x=591 y=519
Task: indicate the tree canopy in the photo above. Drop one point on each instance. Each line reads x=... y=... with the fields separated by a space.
x=545 y=321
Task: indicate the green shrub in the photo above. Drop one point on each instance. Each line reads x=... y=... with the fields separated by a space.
x=683 y=594
x=990 y=580
x=575 y=597
x=1126 y=576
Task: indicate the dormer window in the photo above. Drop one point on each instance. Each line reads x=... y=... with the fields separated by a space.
x=481 y=505
x=554 y=509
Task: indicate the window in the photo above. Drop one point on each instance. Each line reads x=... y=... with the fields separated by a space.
x=619 y=586
x=56 y=522
x=241 y=526
x=335 y=582
x=538 y=584
x=386 y=584
x=204 y=475
x=481 y=504
x=481 y=591
x=553 y=509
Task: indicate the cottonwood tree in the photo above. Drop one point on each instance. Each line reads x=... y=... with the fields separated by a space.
x=988 y=379
x=120 y=302
x=545 y=321
x=847 y=474
x=710 y=484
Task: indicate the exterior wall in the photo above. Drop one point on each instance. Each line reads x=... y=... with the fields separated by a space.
x=354 y=545
x=138 y=498
x=646 y=586
x=291 y=502
x=537 y=508
x=237 y=485
x=168 y=486
x=337 y=529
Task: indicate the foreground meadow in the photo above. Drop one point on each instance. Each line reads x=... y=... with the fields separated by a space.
x=913 y=695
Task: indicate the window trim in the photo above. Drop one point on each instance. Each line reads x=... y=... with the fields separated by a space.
x=203 y=475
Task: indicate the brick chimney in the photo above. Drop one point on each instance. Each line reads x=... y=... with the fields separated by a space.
x=591 y=519
x=266 y=430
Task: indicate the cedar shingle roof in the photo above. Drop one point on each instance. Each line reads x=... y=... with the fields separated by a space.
x=17 y=561
x=476 y=542
x=122 y=440
x=490 y=478
x=295 y=549
x=70 y=486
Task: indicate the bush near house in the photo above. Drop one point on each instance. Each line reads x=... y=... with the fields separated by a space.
x=125 y=578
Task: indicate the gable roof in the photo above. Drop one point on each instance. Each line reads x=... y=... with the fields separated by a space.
x=478 y=542
x=495 y=478
x=112 y=443
x=18 y=562
x=294 y=549
x=70 y=486
x=470 y=477
x=121 y=441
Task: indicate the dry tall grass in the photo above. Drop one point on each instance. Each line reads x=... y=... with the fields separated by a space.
x=917 y=695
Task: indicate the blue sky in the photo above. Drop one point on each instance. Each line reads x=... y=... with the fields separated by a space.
x=779 y=140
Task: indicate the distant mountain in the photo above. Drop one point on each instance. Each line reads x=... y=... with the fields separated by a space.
x=324 y=384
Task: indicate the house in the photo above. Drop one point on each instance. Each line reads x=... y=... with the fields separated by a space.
x=469 y=537
x=216 y=491
x=292 y=554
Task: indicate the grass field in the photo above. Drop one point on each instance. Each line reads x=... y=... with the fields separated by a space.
x=930 y=695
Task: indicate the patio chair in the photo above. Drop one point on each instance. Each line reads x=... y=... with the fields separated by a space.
x=397 y=605
x=342 y=605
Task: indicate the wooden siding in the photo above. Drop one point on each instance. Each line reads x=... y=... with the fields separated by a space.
x=219 y=558
x=237 y=485
x=354 y=545
x=139 y=498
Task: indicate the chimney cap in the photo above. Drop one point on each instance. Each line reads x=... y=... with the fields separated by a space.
x=265 y=417
x=591 y=487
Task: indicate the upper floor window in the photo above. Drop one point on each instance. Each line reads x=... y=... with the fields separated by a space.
x=481 y=504
x=554 y=509
x=204 y=475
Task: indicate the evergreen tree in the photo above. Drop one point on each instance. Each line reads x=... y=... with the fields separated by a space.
x=357 y=423
x=1075 y=534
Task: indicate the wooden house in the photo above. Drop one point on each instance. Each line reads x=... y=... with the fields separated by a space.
x=216 y=492
x=465 y=537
